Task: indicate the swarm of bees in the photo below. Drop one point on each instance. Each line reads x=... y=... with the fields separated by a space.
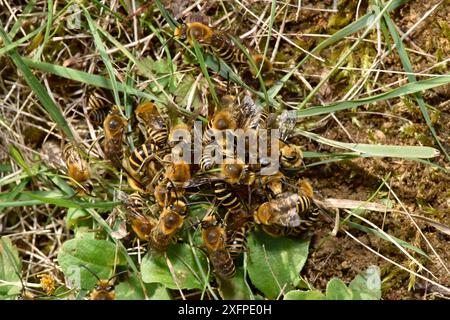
x=238 y=182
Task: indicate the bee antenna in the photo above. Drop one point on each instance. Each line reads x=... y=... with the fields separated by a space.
x=90 y=271
x=166 y=42
x=117 y=274
x=194 y=225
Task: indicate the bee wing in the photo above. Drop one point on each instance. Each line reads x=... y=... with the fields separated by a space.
x=122 y=196
x=249 y=113
x=288 y=218
x=287 y=121
x=196 y=182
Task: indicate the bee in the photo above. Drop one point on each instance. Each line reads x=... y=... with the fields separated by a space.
x=291 y=155
x=218 y=42
x=283 y=231
x=287 y=209
x=98 y=107
x=207 y=160
x=221 y=121
x=222 y=46
x=139 y=159
x=226 y=196
x=253 y=117
x=77 y=168
x=169 y=223
x=104 y=289
x=308 y=218
x=263 y=63
x=236 y=172
x=214 y=238
x=97 y=116
x=154 y=124
x=178 y=173
x=141 y=224
x=114 y=126
x=238 y=243
x=194 y=30
x=164 y=194
x=177 y=139
x=237 y=226
x=172 y=185
x=273 y=183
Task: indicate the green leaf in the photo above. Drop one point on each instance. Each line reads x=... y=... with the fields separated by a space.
x=154 y=268
x=235 y=288
x=133 y=289
x=337 y=290
x=75 y=215
x=367 y=285
x=161 y=67
x=304 y=295
x=10 y=265
x=275 y=263
x=100 y=256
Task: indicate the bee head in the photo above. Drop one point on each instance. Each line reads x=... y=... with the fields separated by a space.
x=181 y=32
x=263 y=214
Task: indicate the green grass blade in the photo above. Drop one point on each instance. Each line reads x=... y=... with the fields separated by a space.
x=219 y=66
x=368 y=150
x=157 y=32
x=59 y=199
x=412 y=78
x=16 y=27
x=143 y=67
x=54 y=198
x=108 y=229
x=87 y=78
x=167 y=16
x=269 y=31
x=395 y=93
x=19 y=203
x=201 y=62
x=48 y=27
x=102 y=50
x=42 y=94
x=17 y=156
x=253 y=66
x=343 y=57
x=374 y=232
x=15 y=44
x=335 y=37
